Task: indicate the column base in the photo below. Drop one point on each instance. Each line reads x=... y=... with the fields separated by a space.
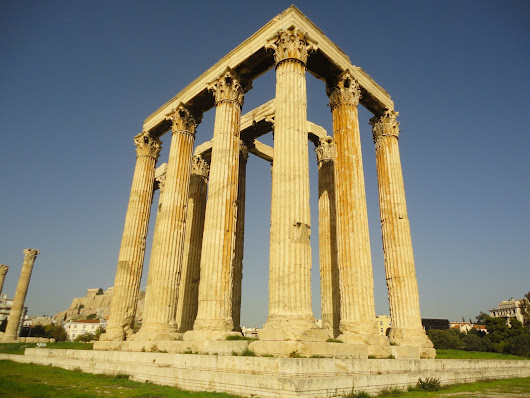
x=162 y=332
x=361 y=333
x=281 y=329
x=413 y=338
x=112 y=335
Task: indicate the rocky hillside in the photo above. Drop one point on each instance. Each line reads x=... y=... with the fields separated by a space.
x=98 y=304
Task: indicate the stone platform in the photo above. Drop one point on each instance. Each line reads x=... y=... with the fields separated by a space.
x=283 y=349
x=273 y=377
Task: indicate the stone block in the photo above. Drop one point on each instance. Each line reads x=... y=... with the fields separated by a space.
x=334 y=350
x=226 y=347
x=276 y=348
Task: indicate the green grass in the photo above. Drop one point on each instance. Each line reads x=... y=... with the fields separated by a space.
x=458 y=354
x=493 y=388
x=237 y=337
x=19 y=380
x=19 y=348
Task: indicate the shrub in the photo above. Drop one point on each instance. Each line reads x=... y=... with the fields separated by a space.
x=445 y=339
x=85 y=337
x=248 y=353
x=519 y=345
x=430 y=384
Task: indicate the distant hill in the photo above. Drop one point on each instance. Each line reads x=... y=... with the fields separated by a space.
x=96 y=304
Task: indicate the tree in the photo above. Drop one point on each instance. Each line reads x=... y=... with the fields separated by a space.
x=56 y=332
x=481 y=318
x=85 y=337
x=99 y=331
x=446 y=339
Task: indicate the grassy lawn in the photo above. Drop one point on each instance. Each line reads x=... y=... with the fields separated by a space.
x=19 y=348
x=19 y=380
x=493 y=388
x=458 y=354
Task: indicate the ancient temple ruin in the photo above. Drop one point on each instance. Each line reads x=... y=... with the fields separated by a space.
x=200 y=219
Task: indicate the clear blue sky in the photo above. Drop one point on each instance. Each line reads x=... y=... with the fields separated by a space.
x=77 y=79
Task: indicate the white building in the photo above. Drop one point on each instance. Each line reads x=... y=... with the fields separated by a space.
x=383 y=323
x=77 y=328
x=508 y=309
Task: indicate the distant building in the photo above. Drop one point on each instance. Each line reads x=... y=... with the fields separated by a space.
x=467 y=326
x=249 y=332
x=383 y=324
x=441 y=324
x=77 y=328
x=5 y=308
x=508 y=309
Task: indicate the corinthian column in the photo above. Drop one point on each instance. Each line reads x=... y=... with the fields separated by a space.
x=357 y=309
x=214 y=315
x=240 y=235
x=189 y=279
x=327 y=239
x=290 y=316
x=132 y=250
x=20 y=295
x=3 y=272
x=168 y=243
x=397 y=243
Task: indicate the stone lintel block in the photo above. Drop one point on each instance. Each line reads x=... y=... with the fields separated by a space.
x=276 y=348
x=226 y=347
x=208 y=335
x=335 y=350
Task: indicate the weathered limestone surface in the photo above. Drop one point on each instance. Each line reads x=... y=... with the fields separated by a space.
x=214 y=315
x=290 y=316
x=13 y=322
x=3 y=272
x=274 y=377
x=240 y=236
x=357 y=324
x=189 y=280
x=166 y=261
x=132 y=251
x=327 y=239
x=397 y=243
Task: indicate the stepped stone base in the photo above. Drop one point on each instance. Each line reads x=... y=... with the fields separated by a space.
x=273 y=377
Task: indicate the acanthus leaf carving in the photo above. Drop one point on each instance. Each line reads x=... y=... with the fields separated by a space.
x=182 y=121
x=229 y=88
x=199 y=167
x=325 y=150
x=385 y=125
x=346 y=90
x=291 y=43
x=147 y=145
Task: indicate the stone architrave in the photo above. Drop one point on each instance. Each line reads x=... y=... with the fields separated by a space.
x=290 y=315
x=168 y=243
x=327 y=239
x=3 y=272
x=214 y=316
x=357 y=311
x=400 y=270
x=189 y=279
x=13 y=322
x=240 y=236
x=132 y=251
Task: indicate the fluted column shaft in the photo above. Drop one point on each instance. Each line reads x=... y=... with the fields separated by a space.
x=132 y=250
x=3 y=272
x=397 y=243
x=240 y=236
x=357 y=310
x=15 y=314
x=290 y=313
x=327 y=239
x=189 y=279
x=168 y=243
x=218 y=248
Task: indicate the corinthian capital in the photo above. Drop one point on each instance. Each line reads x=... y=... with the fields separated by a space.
x=229 y=88
x=3 y=269
x=325 y=150
x=385 y=125
x=345 y=91
x=30 y=254
x=199 y=167
x=147 y=145
x=243 y=148
x=182 y=121
x=291 y=44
